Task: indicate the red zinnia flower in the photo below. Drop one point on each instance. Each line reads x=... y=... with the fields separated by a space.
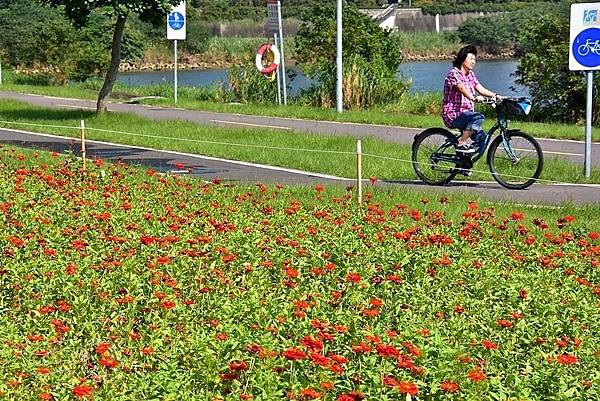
x=487 y=344
x=238 y=365
x=476 y=375
x=319 y=359
x=108 y=362
x=408 y=388
x=102 y=348
x=566 y=359
x=517 y=216
x=83 y=391
x=504 y=323
x=79 y=244
x=294 y=354
x=353 y=277
x=168 y=304
x=311 y=393
x=449 y=387
x=361 y=348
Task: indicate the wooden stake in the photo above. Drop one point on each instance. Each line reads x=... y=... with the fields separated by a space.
x=359 y=170
x=82 y=132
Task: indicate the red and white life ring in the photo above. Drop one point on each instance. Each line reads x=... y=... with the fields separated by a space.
x=272 y=66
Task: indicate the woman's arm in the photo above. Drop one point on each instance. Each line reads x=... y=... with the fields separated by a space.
x=465 y=91
x=483 y=91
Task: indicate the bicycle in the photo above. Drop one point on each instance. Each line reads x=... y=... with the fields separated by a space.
x=589 y=46
x=514 y=157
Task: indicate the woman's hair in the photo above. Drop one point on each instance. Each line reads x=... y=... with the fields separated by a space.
x=462 y=55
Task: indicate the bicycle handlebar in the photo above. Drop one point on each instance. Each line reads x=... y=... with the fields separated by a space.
x=499 y=99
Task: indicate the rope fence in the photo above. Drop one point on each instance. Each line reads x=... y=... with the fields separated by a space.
x=359 y=153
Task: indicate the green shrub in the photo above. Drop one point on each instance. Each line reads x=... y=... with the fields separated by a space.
x=371 y=58
x=197 y=34
x=497 y=33
x=558 y=93
x=250 y=86
x=463 y=6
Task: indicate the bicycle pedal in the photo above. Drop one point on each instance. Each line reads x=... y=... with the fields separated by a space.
x=467 y=173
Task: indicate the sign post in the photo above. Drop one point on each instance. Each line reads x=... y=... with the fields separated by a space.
x=176 y=31
x=584 y=55
x=339 y=68
x=274 y=27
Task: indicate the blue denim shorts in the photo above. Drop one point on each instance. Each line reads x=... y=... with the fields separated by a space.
x=469 y=121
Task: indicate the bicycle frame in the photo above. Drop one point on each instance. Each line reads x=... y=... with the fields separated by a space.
x=501 y=124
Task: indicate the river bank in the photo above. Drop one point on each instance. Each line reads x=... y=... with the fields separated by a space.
x=202 y=62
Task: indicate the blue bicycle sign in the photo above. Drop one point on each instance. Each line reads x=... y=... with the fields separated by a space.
x=176 y=20
x=586 y=47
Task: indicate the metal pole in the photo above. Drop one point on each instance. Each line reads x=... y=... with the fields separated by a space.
x=359 y=170
x=588 y=125
x=277 y=75
x=281 y=51
x=339 y=77
x=82 y=133
x=0 y=71
x=175 y=69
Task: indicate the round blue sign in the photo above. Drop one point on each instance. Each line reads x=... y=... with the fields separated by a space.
x=176 y=20
x=586 y=47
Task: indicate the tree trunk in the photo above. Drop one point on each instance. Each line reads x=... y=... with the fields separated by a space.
x=115 y=60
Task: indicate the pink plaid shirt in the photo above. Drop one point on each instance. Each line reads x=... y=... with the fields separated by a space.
x=455 y=103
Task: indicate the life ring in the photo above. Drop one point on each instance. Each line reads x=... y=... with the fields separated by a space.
x=272 y=55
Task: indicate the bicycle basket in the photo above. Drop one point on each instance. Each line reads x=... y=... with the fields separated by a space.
x=518 y=107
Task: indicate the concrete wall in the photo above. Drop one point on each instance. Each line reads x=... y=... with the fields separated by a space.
x=413 y=20
x=290 y=28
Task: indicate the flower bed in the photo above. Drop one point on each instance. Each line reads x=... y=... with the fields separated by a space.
x=121 y=286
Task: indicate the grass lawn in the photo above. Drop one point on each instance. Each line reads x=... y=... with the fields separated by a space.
x=326 y=154
x=418 y=110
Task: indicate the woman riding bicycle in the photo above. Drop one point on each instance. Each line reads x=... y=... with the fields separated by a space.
x=458 y=108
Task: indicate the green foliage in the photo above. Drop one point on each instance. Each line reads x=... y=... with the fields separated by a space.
x=371 y=56
x=497 y=33
x=228 y=10
x=197 y=34
x=462 y=6
x=22 y=22
x=557 y=91
x=491 y=33
x=250 y=86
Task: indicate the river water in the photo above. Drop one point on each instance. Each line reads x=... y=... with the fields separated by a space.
x=427 y=76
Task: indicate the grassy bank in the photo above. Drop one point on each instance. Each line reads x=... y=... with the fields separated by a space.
x=409 y=110
x=311 y=152
x=227 y=52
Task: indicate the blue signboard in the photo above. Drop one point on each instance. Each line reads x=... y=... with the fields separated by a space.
x=586 y=47
x=176 y=20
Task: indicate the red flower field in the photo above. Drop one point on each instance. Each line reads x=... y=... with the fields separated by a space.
x=117 y=284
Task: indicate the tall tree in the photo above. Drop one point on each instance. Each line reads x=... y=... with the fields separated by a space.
x=78 y=11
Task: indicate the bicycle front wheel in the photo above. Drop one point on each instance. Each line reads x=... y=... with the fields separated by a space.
x=433 y=156
x=517 y=162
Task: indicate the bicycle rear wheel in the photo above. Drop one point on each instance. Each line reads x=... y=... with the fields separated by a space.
x=518 y=163
x=433 y=156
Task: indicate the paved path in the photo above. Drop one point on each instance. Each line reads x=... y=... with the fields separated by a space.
x=209 y=168
x=571 y=150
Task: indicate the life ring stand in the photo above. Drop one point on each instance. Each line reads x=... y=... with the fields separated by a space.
x=267 y=48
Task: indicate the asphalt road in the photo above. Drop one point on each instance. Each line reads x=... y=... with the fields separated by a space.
x=210 y=168
x=570 y=150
